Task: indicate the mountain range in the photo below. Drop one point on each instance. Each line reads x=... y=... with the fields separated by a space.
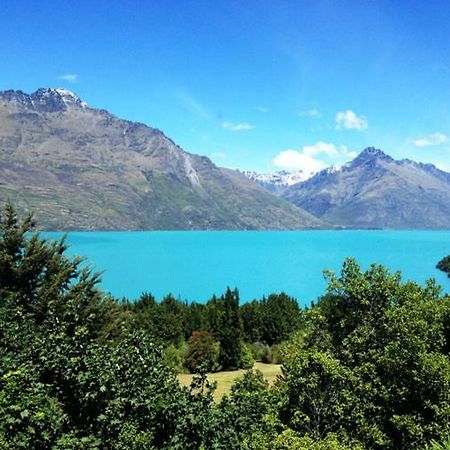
x=376 y=191
x=83 y=168
x=276 y=181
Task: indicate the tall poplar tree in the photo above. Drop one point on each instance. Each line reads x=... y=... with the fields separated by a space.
x=230 y=332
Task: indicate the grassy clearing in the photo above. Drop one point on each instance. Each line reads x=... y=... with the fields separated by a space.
x=226 y=379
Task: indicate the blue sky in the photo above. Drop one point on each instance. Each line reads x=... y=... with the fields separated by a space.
x=256 y=85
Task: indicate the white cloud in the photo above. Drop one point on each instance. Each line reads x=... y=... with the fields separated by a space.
x=444 y=167
x=263 y=109
x=236 y=126
x=321 y=147
x=308 y=158
x=293 y=160
x=313 y=112
x=69 y=77
x=431 y=139
x=350 y=121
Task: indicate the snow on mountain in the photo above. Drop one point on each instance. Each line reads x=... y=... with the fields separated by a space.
x=278 y=180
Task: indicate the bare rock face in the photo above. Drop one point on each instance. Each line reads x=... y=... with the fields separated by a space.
x=376 y=191
x=82 y=168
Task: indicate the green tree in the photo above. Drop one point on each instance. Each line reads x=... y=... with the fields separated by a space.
x=444 y=265
x=202 y=352
x=281 y=316
x=253 y=321
x=248 y=405
x=229 y=331
x=373 y=365
x=66 y=380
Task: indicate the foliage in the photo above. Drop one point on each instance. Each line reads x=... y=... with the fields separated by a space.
x=263 y=323
x=228 y=331
x=70 y=380
x=368 y=367
x=164 y=320
x=444 y=265
x=247 y=361
x=289 y=440
x=434 y=445
x=374 y=364
x=258 y=350
x=30 y=417
x=271 y=320
x=202 y=352
x=173 y=357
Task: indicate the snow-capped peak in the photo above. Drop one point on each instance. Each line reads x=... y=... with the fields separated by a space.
x=281 y=178
x=58 y=94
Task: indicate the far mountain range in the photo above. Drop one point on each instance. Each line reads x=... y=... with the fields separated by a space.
x=372 y=191
x=83 y=168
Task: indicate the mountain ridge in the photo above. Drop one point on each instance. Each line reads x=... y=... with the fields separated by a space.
x=83 y=168
x=376 y=191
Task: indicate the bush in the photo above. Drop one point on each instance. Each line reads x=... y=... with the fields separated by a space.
x=258 y=350
x=247 y=360
x=173 y=357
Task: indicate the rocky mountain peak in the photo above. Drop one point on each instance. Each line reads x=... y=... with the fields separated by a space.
x=84 y=168
x=51 y=99
x=376 y=191
x=44 y=99
x=372 y=152
x=369 y=156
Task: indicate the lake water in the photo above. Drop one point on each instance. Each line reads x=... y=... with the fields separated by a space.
x=194 y=265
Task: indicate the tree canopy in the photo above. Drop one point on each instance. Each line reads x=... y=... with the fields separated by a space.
x=368 y=367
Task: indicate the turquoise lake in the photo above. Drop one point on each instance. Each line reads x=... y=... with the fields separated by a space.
x=194 y=265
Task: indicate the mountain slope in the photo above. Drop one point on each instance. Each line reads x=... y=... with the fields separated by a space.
x=83 y=168
x=375 y=191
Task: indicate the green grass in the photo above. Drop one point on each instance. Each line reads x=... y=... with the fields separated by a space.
x=226 y=379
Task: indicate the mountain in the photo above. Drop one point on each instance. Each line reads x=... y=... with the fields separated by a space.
x=376 y=191
x=83 y=168
x=276 y=181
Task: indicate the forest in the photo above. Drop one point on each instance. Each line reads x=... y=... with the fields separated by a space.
x=366 y=367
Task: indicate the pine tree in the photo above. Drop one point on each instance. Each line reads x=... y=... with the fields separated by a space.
x=230 y=332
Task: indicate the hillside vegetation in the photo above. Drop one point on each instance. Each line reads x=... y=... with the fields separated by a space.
x=368 y=367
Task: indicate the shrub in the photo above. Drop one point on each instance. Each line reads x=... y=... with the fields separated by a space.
x=258 y=350
x=173 y=357
x=247 y=360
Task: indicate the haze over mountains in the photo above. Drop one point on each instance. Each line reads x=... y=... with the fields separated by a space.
x=83 y=168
